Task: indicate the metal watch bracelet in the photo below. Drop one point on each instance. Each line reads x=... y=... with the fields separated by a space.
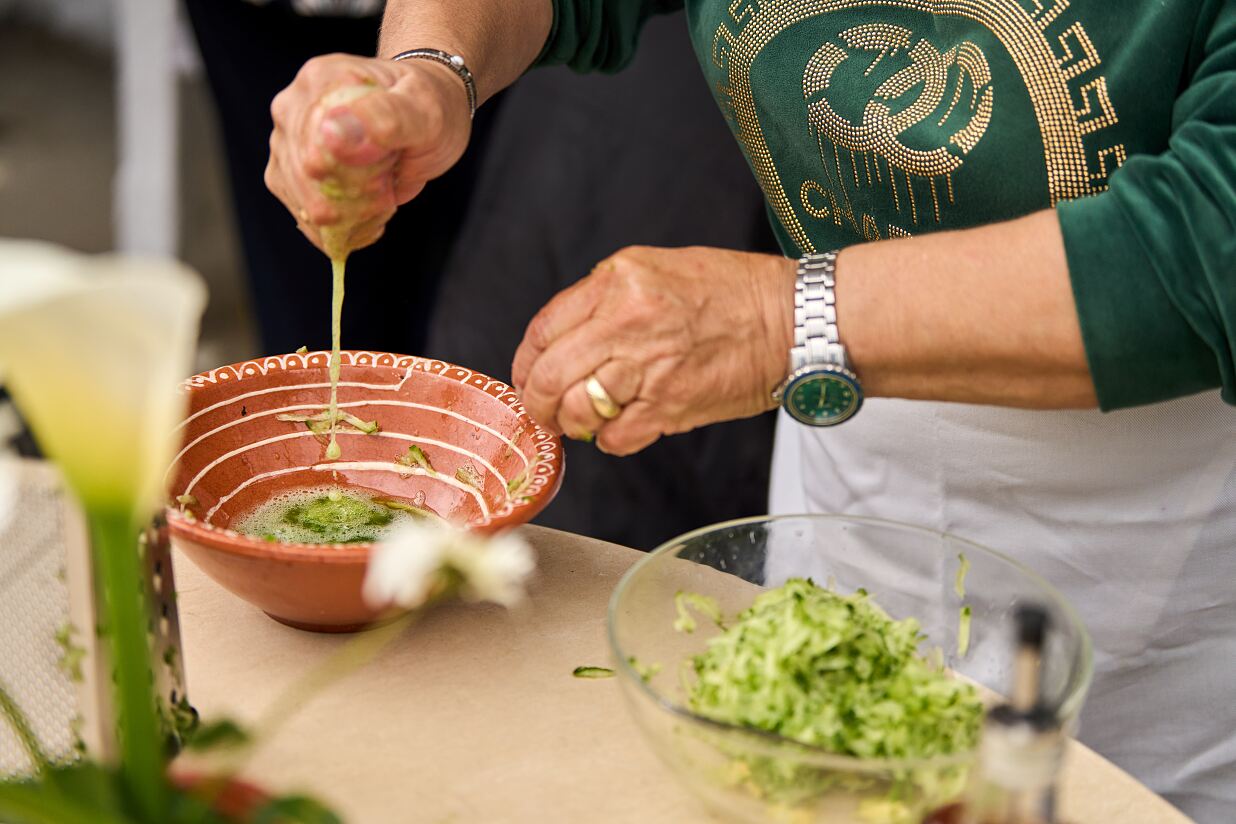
x=453 y=62
x=815 y=313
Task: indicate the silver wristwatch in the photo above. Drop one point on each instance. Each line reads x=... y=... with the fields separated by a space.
x=453 y=62
x=822 y=389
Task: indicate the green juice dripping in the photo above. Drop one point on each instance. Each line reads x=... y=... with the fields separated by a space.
x=344 y=189
x=338 y=264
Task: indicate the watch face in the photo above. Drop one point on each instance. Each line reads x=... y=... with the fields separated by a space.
x=823 y=396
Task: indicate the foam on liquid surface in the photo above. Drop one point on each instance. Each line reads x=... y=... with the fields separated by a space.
x=321 y=515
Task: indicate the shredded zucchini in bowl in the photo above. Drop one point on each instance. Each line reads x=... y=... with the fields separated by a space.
x=834 y=672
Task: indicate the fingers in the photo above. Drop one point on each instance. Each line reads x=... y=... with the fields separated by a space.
x=367 y=129
x=567 y=310
x=578 y=418
x=637 y=428
x=571 y=358
x=356 y=137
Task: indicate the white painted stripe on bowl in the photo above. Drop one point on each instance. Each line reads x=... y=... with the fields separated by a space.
x=387 y=466
x=399 y=436
x=381 y=387
x=228 y=455
x=250 y=481
x=375 y=402
x=347 y=431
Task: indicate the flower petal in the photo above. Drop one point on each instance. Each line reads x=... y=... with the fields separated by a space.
x=403 y=569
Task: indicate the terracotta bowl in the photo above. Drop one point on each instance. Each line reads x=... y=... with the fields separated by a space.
x=236 y=454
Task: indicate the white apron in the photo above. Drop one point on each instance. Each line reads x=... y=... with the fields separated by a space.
x=1131 y=514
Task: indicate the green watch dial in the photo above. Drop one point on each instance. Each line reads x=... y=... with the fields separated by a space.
x=823 y=397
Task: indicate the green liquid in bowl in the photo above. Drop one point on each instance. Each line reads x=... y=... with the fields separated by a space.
x=323 y=515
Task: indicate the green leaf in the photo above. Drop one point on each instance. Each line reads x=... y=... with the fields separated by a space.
x=217 y=735
x=79 y=794
x=295 y=809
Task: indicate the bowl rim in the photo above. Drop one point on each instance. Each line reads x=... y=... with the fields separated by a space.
x=228 y=540
x=774 y=744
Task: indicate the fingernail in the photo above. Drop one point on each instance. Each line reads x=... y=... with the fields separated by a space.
x=345 y=127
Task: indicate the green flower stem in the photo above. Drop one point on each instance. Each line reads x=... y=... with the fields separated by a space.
x=12 y=713
x=113 y=536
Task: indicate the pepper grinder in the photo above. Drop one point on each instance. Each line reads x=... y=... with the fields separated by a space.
x=1022 y=745
x=1023 y=740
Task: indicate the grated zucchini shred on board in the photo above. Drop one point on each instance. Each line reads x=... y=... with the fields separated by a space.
x=593 y=672
x=832 y=671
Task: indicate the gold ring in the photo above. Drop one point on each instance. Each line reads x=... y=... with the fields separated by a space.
x=601 y=400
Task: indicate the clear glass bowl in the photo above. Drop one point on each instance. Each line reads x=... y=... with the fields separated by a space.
x=749 y=775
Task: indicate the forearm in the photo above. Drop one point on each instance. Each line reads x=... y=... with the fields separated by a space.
x=984 y=315
x=499 y=40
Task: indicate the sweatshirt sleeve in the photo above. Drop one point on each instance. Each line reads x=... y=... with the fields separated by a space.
x=598 y=35
x=1153 y=259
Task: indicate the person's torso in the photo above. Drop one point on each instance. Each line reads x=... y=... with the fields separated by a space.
x=1131 y=514
x=869 y=119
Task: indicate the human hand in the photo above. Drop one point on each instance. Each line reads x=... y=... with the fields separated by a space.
x=357 y=137
x=679 y=338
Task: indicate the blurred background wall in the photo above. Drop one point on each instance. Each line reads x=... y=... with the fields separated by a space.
x=59 y=148
x=110 y=139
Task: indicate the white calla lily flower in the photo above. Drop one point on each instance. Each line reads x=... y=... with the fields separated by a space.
x=92 y=348
x=407 y=568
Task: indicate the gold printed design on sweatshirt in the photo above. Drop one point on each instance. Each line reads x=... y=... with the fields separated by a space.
x=1054 y=56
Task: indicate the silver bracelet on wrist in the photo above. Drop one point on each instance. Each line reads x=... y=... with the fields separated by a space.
x=453 y=62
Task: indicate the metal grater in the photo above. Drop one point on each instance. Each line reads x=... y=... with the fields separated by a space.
x=52 y=662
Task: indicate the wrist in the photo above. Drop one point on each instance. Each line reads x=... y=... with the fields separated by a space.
x=855 y=315
x=821 y=388
x=777 y=311
x=442 y=100
x=450 y=61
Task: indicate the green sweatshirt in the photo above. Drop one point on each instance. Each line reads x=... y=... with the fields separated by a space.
x=868 y=119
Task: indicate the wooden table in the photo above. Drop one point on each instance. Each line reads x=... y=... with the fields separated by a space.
x=473 y=716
